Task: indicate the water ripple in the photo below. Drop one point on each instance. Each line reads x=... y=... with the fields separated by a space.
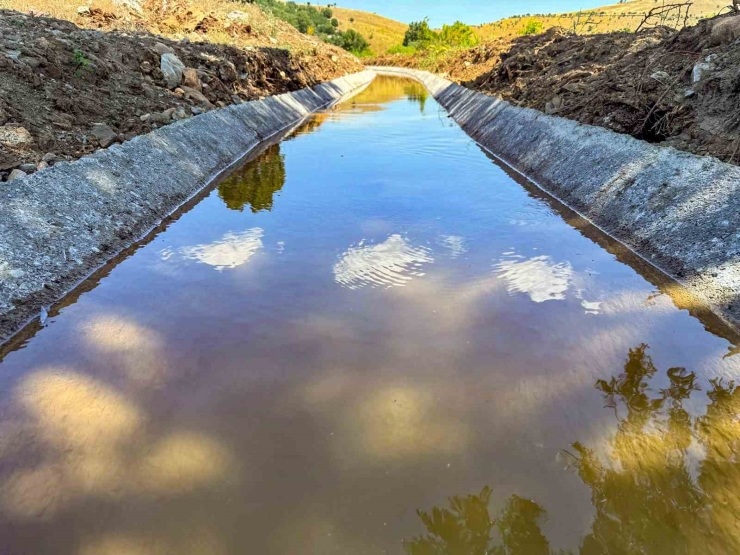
x=392 y=263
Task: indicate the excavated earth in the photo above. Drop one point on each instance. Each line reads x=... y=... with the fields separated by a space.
x=57 y=81
x=678 y=89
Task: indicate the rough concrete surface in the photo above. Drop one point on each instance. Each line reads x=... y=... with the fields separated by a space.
x=679 y=211
x=59 y=224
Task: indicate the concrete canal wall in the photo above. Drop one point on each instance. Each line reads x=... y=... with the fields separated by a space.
x=679 y=211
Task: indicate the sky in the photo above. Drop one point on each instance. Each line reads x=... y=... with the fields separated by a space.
x=472 y=12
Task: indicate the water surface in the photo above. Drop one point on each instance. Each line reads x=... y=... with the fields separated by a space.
x=372 y=339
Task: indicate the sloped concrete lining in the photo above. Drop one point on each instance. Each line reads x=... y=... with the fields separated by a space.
x=679 y=211
x=59 y=224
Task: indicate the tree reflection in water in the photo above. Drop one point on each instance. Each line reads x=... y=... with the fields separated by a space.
x=256 y=183
x=668 y=483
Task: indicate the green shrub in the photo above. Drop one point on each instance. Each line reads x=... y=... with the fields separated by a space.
x=458 y=35
x=532 y=27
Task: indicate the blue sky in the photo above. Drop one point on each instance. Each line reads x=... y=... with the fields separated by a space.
x=469 y=11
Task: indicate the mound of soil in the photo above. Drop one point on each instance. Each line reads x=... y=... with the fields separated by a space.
x=678 y=89
x=66 y=91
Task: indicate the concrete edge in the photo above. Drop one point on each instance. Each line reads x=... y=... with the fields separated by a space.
x=58 y=225
x=678 y=211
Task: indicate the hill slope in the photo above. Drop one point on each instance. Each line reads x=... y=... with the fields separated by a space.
x=381 y=32
x=615 y=17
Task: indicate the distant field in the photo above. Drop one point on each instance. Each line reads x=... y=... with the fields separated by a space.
x=381 y=32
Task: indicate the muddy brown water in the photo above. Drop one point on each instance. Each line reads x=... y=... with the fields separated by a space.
x=372 y=339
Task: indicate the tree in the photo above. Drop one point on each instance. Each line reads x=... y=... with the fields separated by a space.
x=458 y=35
x=335 y=22
x=419 y=33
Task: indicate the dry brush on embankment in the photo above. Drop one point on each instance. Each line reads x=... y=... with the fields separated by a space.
x=673 y=88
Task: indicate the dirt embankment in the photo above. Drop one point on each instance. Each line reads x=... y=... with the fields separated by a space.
x=679 y=89
x=66 y=91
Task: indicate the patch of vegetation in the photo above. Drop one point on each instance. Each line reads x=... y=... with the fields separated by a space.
x=421 y=37
x=82 y=62
x=531 y=27
x=315 y=21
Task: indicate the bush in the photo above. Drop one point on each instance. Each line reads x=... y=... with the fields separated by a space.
x=403 y=50
x=419 y=33
x=458 y=35
x=350 y=40
x=532 y=27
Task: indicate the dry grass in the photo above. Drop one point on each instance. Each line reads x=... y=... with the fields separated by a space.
x=178 y=20
x=626 y=16
x=381 y=32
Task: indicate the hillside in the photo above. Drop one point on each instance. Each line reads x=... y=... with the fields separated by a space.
x=381 y=32
x=96 y=75
x=615 y=17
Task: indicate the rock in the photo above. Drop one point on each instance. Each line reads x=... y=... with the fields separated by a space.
x=104 y=134
x=145 y=117
x=172 y=69
x=196 y=110
x=131 y=5
x=197 y=96
x=180 y=113
x=661 y=77
x=178 y=92
x=726 y=30
x=554 y=105
x=700 y=71
x=83 y=10
x=43 y=43
x=16 y=174
x=28 y=168
x=146 y=67
x=334 y=58
x=49 y=157
x=42 y=165
x=577 y=88
x=162 y=49
x=282 y=75
x=190 y=79
x=467 y=64
x=15 y=136
x=238 y=16
x=236 y=99
x=273 y=40
x=688 y=93
x=159 y=117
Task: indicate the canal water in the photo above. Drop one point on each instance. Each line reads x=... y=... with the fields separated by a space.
x=372 y=339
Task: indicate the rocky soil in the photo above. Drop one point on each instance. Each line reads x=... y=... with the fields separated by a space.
x=679 y=89
x=66 y=91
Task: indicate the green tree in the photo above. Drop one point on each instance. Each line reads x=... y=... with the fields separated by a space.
x=419 y=33
x=256 y=183
x=458 y=35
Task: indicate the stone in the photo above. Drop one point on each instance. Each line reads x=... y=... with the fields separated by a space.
x=554 y=105
x=334 y=58
x=196 y=110
x=162 y=49
x=104 y=134
x=688 y=93
x=49 y=157
x=197 y=96
x=15 y=136
x=16 y=174
x=180 y=113
x=238 y=16
x=145 y=117
x=726 y=30
x=273 y=40
x=28 y=168
x=172 y=69
x=236 y=99
x=661 y=77
x=178 y=92
x=700 y=71
x=190 y=79
x=42 y=165
x=146 y=67
x=83 y=10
